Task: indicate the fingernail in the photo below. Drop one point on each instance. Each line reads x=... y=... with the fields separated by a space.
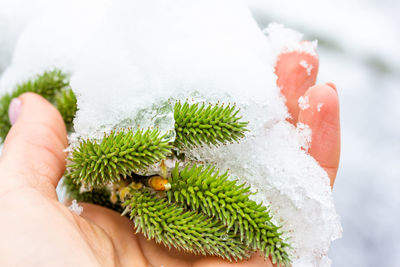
x=14 y=110
x=332 y=85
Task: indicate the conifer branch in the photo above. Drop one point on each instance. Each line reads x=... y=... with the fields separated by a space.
x=204 y=212
x=204 y=189
x=116 y=156
x=47 y=85
x=189 y=231
x=65 y=102
x=196 y=124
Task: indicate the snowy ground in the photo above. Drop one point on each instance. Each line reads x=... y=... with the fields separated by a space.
x=359 y=52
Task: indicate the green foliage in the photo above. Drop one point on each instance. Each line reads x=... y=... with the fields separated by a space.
x=185 y=230
x=116 y=156
x=196 y=124
x=204 y=212
x=65 y=102
x=47 y=85
x=204 y=189
x=98 y=196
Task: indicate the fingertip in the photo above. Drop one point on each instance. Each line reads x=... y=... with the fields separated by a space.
x=35 y=143
x=322 y=116
x=14 y=109
x=44 y=111
x=332 y=85
x=36 y=110
x=296 y=71
x=299 y=63
x=323 y=95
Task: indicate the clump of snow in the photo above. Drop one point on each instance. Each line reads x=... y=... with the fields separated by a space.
x=319 y=106
x=134 y=59
x=307 y=66
x=303 y=102
x=286 y=177
x=75 y=207
x=152 y=57
x=305 y=134
x=286 y=40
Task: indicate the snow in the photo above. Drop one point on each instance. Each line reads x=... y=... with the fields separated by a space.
x=130 y=60
x=303 y=102
x=358 y=51
x=306 y=135
x=297 y=189
x=287 y=40
x=45 y=45
x=360 y=28
x=308 y=67
x=75 y=207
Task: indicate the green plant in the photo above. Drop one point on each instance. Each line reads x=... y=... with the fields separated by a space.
x=65 y=101
x=204 y=212
x=52 y=85
x=175 y=226
x=203 y=188
x=116 y=156
x=199 y=124
x=99 y=196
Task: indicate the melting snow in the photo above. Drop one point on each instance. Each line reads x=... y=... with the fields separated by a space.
x=75 y=207
x=304 y=102
x=130 y=60
x=307 y=66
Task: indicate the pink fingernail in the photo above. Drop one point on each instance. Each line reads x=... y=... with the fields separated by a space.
x=332 y=85
x=14 y=110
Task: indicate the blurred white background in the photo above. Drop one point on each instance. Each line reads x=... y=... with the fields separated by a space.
x=359 y=51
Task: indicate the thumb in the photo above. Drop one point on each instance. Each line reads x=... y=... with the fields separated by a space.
x=33 y=153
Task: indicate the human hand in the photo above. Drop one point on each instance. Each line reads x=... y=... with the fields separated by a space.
x=322 y=116
x=37 y=230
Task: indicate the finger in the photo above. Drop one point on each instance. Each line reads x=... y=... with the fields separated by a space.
x=296 y=72
x=322 y=116
x=120 y=230
x=33 y=153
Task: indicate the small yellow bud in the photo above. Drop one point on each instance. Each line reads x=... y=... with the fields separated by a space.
x=123 y=192
x=159 y=183
x=136 y=186
x=113 y=197
x=163 y=168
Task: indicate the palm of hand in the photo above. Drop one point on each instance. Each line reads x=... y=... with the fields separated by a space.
x=37 y=230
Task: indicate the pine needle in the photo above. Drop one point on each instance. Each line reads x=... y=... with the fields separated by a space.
x=196 y=124
x=116 y=156
x=188 y=231
x=204 y=189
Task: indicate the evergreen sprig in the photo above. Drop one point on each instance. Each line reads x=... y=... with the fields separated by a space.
x=204 y=212
x=116 y=156
x=189 y=231
x=200 y=124
x=47 y=85
x=204 y=188
x=65 y=102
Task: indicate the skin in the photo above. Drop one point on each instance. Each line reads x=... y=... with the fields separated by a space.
x=37 y=230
